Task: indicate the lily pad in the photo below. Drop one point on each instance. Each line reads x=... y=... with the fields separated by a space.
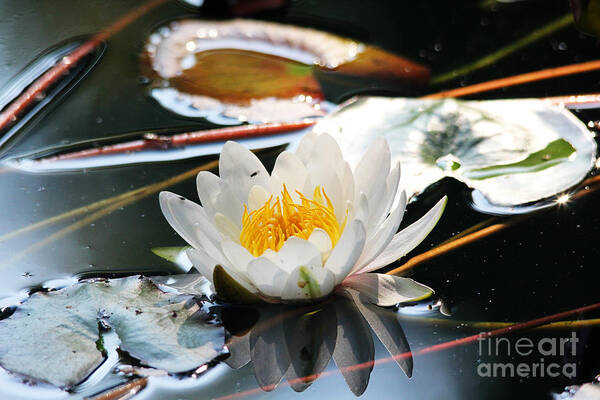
x=54 y=337
x=512 y=151
x=241 y=70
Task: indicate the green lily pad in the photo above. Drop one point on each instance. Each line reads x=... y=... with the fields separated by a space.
x=54 y=337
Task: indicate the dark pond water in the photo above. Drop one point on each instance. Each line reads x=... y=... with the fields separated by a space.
x=546 y=264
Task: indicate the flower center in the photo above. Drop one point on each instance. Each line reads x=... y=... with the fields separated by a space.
x=272 y=224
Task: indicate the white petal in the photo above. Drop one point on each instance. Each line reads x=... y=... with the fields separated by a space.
x=346 y=251
x=408 y=238
x=305 y=147
x=217 y=196
x=308 y=282
x=237 y=255
x=382 y=237
x=288 y=170
x=325 y=162
x=347 y=179
x=204 y=263
x=209 y=187
x=241 y=169
x=387 y=290
x=321 y=240
x=333 y=189
x=360 y=209
x=295 y=252
x=229 y=205
x=326 y=151
x=378 y=214
x=266 y=276
x=371 y=173
x=257 y=198
x=227 y=228
x=191 y=223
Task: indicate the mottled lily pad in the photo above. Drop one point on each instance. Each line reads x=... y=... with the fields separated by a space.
x=512 y=151
x=54 y=337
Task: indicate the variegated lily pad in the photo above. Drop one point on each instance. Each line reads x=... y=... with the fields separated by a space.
x=54 y=337
x=512 y=151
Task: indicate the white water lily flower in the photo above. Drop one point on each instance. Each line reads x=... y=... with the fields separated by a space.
x=309 y=227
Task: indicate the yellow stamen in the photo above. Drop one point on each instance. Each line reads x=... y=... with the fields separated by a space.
x=272 y=224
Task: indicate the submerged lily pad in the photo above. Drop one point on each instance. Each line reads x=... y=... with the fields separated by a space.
x=512 y=151
x=54 y=337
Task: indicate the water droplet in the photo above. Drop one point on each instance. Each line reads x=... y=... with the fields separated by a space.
x=143 y=80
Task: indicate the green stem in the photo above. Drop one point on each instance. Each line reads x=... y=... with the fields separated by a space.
x=490 y=59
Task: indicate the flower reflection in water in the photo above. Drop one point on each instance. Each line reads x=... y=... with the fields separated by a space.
x=297 y=343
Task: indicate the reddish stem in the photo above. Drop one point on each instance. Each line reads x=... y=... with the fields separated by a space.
x=37 y=88
x=151 y=141
x=518 y=80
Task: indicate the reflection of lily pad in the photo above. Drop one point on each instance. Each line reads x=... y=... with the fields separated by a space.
x=512 y=151
x=53 y=336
